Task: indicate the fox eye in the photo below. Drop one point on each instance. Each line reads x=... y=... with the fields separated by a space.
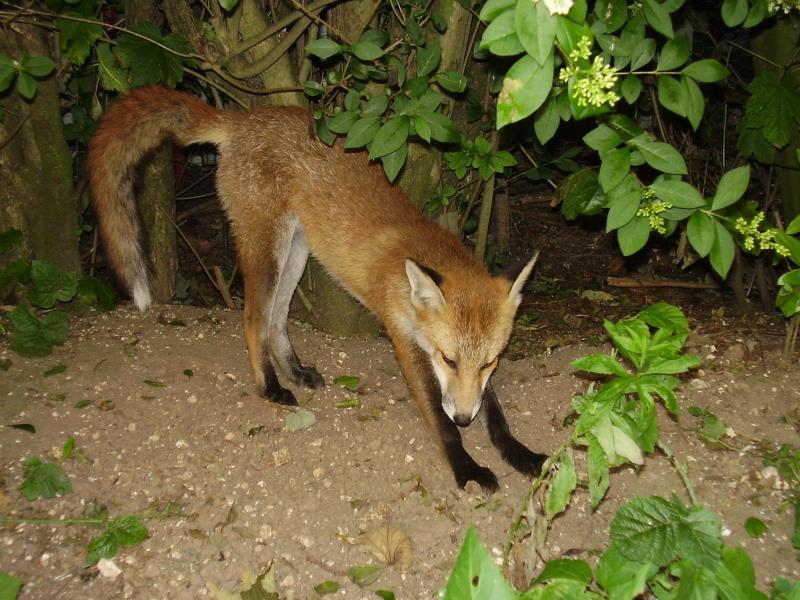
x=448 y=361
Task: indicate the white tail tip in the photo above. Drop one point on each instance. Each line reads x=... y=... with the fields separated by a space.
x=141 y=296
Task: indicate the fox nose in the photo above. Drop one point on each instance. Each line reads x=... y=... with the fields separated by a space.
x=462 y=419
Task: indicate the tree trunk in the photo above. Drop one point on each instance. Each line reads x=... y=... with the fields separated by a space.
x=156 y=190
x=37 y=195
x=779 y=43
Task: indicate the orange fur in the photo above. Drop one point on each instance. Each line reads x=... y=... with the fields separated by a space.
x=285 y=193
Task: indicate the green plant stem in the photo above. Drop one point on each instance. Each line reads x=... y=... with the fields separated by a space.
x=682 y=471
x=71 y=521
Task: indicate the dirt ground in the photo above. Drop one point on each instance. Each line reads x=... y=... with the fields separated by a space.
x=253 y=494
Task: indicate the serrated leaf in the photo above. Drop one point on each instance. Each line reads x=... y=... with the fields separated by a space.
x=35 y=337
x=389 y=545
x=732 y=186
x=44 y=480
x=112 y=77
x=526 y=86
x=150 y=63
x=128 y=531
x=622 y=578
x=51 y=285
x=773 y=107
x=563 y=485
x=300 y=420
x=475 y=576
x=103 y=546
x=646 y=529
x=77 y=38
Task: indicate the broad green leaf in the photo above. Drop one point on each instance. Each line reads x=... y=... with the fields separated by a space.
x=734 y=12
x=526 y=86
x=602 y=138
x=759 y=11
x=773 y=107
x=299 y=420
x=622 y=578
x=362 y=131
x=26 y=85
x=7 y=75
x=91 y=292
x=657 y=17
x=313 y=89
x=422 y=128
x=732 y=186
x=76 y=38
x=793 y=227
x=343 y=121
x=672 y=365
x=600 y=363
x=452 y=81
x=500 y=37
x=597 y=470
x=722 y=250
x=9 y=585
x=493 y=8
x=623 y=206
x=104 y=545
x=148 y=62
x=701 y=231
x=442 y=128
x=394 y=161
x=34 y=337
x=428 y=59
x=674 y=53
x=631 y=87
x=44 y=480
x=663 y=315
x=678 y=193
x=613 y=13
x=562 y=487
x=324 y=48
x=698 y=537
x=706 y=70
x=626 y=447
x=614 y=167
x=695 y=102
x=643 y=53
x=51 y=285
x=755 y=527
x=646 y=529
x=39 y=66
x=113 y=77
x=633 y=236
x=546 y=121
x=475 y=576
x=660 y=156
x=581 y=195
x=536 y=29
x=566 y=568
x=569 y=33
x=366 y=50
x=672 y=95
x=128 y=531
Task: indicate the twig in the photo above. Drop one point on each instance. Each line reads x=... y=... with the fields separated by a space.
x=681 y=469
x=533 y=162
x=631 y=282
x=223 y=287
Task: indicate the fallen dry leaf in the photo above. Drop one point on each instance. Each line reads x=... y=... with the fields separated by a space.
x=389 y=545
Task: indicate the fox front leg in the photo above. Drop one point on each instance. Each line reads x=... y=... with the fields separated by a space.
x=514 y=452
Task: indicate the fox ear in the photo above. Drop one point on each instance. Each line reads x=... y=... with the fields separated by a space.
x=425 y=293
x=515 y=295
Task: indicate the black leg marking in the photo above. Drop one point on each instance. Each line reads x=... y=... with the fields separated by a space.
x=307 y=376
x=273 y=391
x=513 y=452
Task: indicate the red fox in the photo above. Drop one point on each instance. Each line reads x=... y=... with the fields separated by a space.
x=287 y=194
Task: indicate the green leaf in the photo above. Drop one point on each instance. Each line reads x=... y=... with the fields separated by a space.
x=475 y=576
x=128 y=531
x=442 y=128
x=678 y=193
x=622 y=578
x=643 y=53
x=494 y=8
x=562 y=487
x=566 y=568
x=452 y=81
x=624 y=203
x=660 y=156
x=734 y=12
x=428 y=58
x=657 y=17
x=51 y=285
x=582 y=194
x=600 y=363
x=546 y=121
x=363 y=575
x=34 y=337
x=646 y=529
x=633 y=236
x=615 y=165
x=754 y=527
x=569 y=33
x=613 y=12
x=390 y=136
x=722 y=250
x=343 y=121
x=91 y=292
x=77 y=38
x=362 y=132
x=526 y=86
x=327 y=587
x=9 y=585
x=672 y=95
x=631 y=87
x=299 y=420
x=699 y=537
x=757 y=13
x=112 y=77
x=773 y=107
x=26 y=85
x=701 y=232
x=706 y=70
x=791 y=229
x=8 y=238
x=602 y=138
x=732 y=186
x=394 y=161
x=148 y=62
x=536 y=29
x=39 y=66
x=313 y=89
x=349 y=382
x=55 y=370
x=44 y=480
x=694 y=102
x=597 y=470
x=104 y=545
x=324 y=48
x=674 y=53
x=500 y=37
x=366 y=50
x=665 y=316
x=7 y=75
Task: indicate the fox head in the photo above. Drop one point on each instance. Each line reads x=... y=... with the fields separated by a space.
x=463 y=323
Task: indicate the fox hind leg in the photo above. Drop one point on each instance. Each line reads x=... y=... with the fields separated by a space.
x=512 y=450
x=280 y=344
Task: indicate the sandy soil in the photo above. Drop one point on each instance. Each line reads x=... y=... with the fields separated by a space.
x=253 y=494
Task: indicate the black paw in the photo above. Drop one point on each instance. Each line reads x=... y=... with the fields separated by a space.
x=308 y=377
x=480 y=475
x=523 y=460
x=280 y=396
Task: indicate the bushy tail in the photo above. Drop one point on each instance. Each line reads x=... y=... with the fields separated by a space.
x=132 y=127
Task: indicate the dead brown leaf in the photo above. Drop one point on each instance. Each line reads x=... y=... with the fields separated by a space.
x=389 y=545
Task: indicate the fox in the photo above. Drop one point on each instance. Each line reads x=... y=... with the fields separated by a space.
x=288 y=195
